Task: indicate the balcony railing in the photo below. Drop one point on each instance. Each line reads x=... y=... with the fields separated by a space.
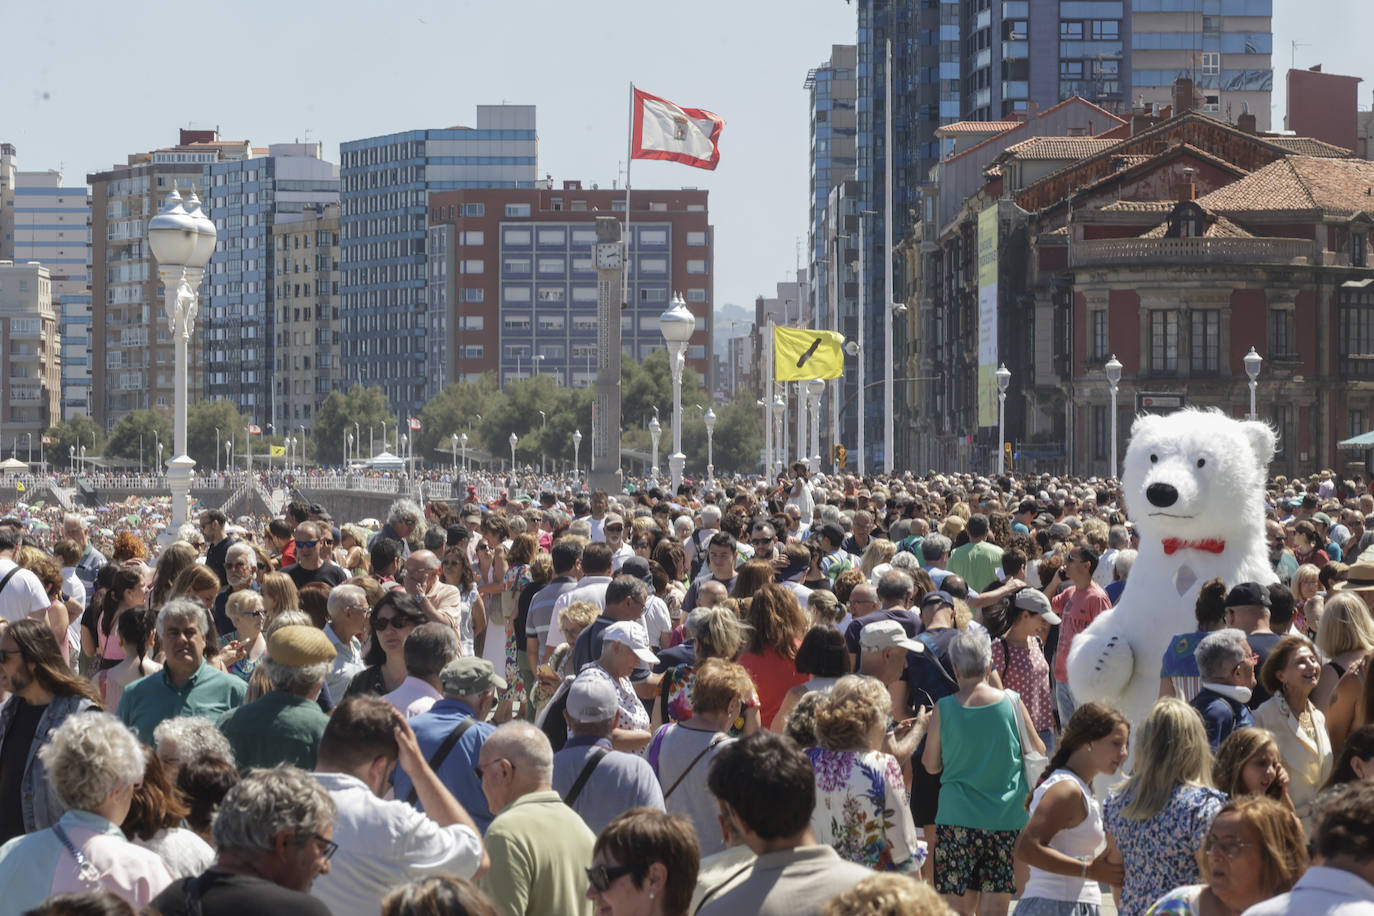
x=1191 y=251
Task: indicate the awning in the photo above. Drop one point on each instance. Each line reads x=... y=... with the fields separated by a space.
x=1364 y=440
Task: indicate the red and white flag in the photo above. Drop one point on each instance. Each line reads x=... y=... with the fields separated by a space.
x=415 y=423
x=666 y=131
x=254 y=429
x=46 y=440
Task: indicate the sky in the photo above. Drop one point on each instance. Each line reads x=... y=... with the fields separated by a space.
x=86 y=84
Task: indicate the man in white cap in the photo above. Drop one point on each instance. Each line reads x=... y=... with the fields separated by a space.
x=614 y=529
x=624 y=646
x=597 y=782
x=885 y=646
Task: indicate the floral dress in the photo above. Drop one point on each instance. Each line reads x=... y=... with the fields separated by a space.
x=675 y=696
x=517 y=578
x=1159 y=852
x=863 y=810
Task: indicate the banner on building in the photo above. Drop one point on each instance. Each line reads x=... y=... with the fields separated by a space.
x=987 y=316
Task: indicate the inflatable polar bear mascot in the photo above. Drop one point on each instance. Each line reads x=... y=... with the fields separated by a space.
x=1193 y=484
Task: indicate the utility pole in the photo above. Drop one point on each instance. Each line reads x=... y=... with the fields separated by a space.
x=610 y=270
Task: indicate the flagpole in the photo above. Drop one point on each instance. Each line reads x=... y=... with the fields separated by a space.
x=629 y=160
x=768 y=424
x=889 y=446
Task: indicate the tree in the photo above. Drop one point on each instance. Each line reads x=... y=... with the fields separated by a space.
x=338 y=414
x=738 y=439
x=518 y=411
x=202 y=419
x=78 y=431
x=456 y=409
x=134 y=438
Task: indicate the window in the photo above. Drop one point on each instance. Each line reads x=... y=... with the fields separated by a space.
x=471 y=322
x=696 y=267
x=473 y=351
x=517 y=211
x=551 y=294
x=515 y=322
x=653 y=265
x=1070 y=30
x=516 y=265
x=655 y=237
x=554 y=237
x=472 y=238
x=1211 y=102
x=1357 y=333
x=1097 y=345
x=1206 y=328
x=1105 y=29
x=552 y=265
x=472 y=266
x=474 y=210
x=551 y=322
x=1281 y=334
x=1359 y=249
x=1163 y=342
x=519 y=237
x=1071 y=69
x=696 y=295
x=1101 y=431
x=1355 y=423
x=696 y=239
x=653 y=294
x=472 y=294
x=515 y=294
x=1211 y=63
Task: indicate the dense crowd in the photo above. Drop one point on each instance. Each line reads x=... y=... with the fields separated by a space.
x=804 y=695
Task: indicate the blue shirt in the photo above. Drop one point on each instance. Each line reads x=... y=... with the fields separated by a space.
x=1221 y=715
x=455 y=772
x=620 y=781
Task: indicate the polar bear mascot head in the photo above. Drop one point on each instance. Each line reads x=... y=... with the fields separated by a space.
x=1193 y=483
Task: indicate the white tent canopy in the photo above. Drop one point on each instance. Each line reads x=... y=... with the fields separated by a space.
x=384 y=461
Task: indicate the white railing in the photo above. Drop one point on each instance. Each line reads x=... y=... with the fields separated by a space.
x=1192 y=251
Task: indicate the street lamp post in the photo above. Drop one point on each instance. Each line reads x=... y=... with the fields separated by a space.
x=1003 y=377
x=404 y=450
x=1113 y=368
x=577 y=448
x=140 y=448
x=228 y=457
x=1252 y=369
x=348 y=440
x=710 y=419
x=814 y=389
x=677 y=324
x=159 y=455
x=779 y=412
x=543 y=426
x=463 y=441
x=655 y=431
x=181 y=239
x=71 y=459
x=453 y=440
x=513 y=439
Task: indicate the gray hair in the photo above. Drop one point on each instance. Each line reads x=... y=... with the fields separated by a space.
x=682 y=527
x=710 y=516
x=895 y=585
x=1219 y=652
x=293 y=618
x=934 y=547
x=180 y=610
x=971 y=653
x=292 y=679
x=241 y=549
x=269 y=802
x=189 y=533
x=580 y=527
x=404 y=508
x=830 y=514
x=623 y=587
x=343 y=597
x=89 y=756
x=516 y=524
x=430 y=647
x=1118 y=537
x=195 y=737
x=525 y=746
x=1122 y=563
x=905 y=560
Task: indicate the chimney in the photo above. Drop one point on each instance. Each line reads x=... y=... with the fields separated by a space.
x=1183 y=95
x=1246 y=121
x=1187 y=191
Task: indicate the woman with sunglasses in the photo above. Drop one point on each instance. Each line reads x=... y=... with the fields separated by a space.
x=644 y=864
x=392 y=621
x=458 y=572
x=245 y=645
x=1254 y=851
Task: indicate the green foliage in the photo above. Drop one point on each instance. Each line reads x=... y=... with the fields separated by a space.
x=738 y=438
x=124 y=444
x=337 y=416
x=78 y=431
x=202 y=419
x=454 y=411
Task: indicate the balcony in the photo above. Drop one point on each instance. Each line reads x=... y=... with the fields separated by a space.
x=1125 y=252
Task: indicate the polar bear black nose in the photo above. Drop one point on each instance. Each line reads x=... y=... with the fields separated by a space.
x=1161 y=494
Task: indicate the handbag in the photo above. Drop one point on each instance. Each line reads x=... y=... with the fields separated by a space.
x=1033 y=762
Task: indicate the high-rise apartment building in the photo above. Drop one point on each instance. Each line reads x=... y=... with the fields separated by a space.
x=512 y=274
x=52 y=227
x=1224 y=46
x=9 y=165
x=247 y=199
x=305 y=303
x=133 y=354
x=30 y=364
x=387 y=182
x=834 y=152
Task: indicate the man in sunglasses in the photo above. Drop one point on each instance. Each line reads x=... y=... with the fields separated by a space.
x=1280 y=557
x=310 y=565
x=212 y=525
x=240 y=565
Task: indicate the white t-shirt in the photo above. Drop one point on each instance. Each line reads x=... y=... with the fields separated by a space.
x=22 y=595
x=657 y=620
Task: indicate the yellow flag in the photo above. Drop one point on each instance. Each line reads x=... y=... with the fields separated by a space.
x=802 y=355
x=19 y=486
x=278 y=451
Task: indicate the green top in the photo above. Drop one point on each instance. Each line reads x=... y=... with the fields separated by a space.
x=976 y=563
x=539 y=848
x=208 y=692
x=279 y=727
x=983 y=784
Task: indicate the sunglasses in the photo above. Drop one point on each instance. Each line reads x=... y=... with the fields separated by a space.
x=382 y=624
x=306 y=545
x=761 y=542
x=601 y=877
x=477 y=770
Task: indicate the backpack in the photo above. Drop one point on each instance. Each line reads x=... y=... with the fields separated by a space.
x=928 y=680
x=699 y=555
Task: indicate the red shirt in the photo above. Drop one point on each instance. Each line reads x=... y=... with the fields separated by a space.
x=773 y=676
x=1076 y=611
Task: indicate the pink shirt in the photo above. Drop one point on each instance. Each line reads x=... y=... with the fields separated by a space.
x=1076 y=611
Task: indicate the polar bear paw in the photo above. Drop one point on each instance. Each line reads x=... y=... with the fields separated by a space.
x=1100 y=666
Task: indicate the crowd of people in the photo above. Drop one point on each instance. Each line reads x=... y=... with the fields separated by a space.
x=805 y=695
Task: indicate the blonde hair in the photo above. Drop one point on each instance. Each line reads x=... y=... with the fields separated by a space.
x=846 y=718
x=717 y=682
x=952 y=527
x=244 y=602
x=1346 y=625
x=279 y=594
x=1171 y=749
x=879 y=551
x=579 y=614
x=887 y=895
x=1305 y=573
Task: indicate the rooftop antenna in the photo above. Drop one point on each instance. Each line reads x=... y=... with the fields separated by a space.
x=1293 y=62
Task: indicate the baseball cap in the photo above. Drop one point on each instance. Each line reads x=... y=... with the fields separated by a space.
x=469 y=675
x=887 y=634
x=1247 y=593
x=940 y=595
x=630 y=633
x=1032 y=599
x=639 y=568
x=456 y=534
x=592 y=699
x=613 y=519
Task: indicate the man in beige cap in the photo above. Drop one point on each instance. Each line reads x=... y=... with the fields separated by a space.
x=286 y=724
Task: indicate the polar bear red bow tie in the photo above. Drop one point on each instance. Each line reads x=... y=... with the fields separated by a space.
x=1211 y=545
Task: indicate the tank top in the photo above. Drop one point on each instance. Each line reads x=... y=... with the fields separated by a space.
x=982 y=784
x=1080 y=841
